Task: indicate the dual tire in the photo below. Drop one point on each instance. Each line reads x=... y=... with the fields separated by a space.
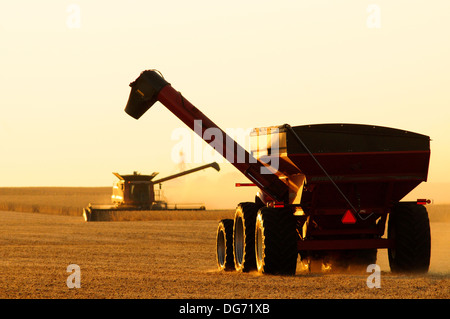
x=259 y=238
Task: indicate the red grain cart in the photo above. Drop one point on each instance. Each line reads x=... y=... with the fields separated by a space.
x=325 y=190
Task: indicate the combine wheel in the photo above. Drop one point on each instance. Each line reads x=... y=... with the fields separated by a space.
x=276 y=241
x=409 y=227
x=244 y=236
x=224 y=252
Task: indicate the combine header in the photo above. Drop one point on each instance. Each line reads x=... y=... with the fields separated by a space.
x=325 y=190
x=137 y=192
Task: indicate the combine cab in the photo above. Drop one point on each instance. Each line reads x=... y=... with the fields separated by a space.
x=137 y=192
x=134 y=191
x=325 y=191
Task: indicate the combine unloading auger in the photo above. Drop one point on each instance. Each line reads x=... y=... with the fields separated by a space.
x=328 y=196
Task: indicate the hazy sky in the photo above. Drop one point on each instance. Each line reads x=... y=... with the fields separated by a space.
x=66 y=65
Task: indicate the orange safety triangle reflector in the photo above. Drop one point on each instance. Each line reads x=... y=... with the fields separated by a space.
x=348 y=218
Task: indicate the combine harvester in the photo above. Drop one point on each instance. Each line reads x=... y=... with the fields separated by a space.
x=325 y=190
x=136 y=192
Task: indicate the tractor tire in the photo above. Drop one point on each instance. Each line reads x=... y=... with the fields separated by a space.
x=276 y=241
x=224 y=245
x=409 y=228
x=244 y=236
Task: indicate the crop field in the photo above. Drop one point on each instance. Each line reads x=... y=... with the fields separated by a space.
x=52 y=200
x=172 y=255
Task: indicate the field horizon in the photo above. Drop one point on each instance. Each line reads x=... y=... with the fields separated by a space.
x=70 y=201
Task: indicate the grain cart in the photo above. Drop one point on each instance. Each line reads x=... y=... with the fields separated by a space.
x=136 y=192
x=325 y=190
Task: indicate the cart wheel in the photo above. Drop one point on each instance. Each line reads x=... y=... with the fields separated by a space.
x=276 y=241
x=224 y=242
x=409 y=227
x=244 y=236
